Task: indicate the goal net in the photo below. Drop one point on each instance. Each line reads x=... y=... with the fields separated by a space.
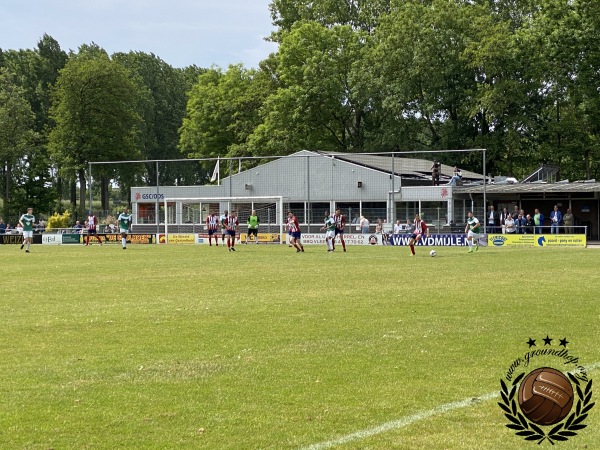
x=188 y=215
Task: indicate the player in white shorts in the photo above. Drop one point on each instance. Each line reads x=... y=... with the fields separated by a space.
x=472 y=230
x=27 y=221
x=329 y=228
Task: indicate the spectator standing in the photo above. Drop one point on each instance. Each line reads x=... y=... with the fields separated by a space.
x=364 y=225
x=555 y=220
x=2 y=227
x=492 y=220
x=528 y=228
x=515 y=213
x=568 y=220
x=435 y=173
x=520 y=224
x=503 y=216
x=510 y=226
x=538 y=221
x=397 y=227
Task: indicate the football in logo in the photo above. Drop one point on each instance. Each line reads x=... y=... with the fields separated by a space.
x=546 y=396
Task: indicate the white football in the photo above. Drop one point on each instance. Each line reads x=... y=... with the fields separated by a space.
x=433 y=253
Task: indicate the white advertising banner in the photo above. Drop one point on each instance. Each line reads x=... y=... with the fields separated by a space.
x=351 y=239
x=52 y=239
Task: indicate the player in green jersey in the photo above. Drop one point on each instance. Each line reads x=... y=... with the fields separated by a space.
x=27 y=221
x=472 y=230
x=329 y=228
x=124 y=226
x=253 y=223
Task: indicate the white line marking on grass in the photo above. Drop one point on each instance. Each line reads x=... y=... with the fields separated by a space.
x=409 y=420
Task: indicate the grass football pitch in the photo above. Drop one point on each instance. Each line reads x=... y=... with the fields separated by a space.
x=182 y=346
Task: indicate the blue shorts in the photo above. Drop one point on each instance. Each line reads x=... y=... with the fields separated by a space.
x=416 y=236
x=296 y=234
x=211 y=232
x=339 y=231
x=231 y=233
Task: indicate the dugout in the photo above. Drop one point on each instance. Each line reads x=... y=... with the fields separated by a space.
x=582 y=197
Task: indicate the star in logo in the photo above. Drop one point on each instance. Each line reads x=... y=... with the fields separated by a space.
x=444 y=192
x=547 y=340
x=531 y=342
x=564 y=342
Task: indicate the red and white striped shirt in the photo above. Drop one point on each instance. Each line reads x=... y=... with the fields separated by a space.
x=293 y=225
x=212 y=222
x=420 y=226
x=231 y=223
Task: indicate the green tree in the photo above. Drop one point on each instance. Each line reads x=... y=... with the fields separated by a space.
x=95 y=110
x=16 y=136
x=319 y=103
x=162 y=109
x=359 y=15
x=36 y=72
x=222 y=112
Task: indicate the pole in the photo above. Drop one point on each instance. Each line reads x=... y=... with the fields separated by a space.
x=90 y=208
x=157 y=206
x=484 y=195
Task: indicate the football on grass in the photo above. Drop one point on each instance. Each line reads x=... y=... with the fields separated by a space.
x=433 y=253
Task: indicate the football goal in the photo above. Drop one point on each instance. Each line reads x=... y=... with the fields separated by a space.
x=188 y=215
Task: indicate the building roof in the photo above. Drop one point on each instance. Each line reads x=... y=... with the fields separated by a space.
x=408 y=168
x=524 y=188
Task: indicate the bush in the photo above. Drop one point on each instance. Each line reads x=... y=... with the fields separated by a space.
x=58 y=220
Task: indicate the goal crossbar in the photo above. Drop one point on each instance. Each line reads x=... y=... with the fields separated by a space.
x=278 y=200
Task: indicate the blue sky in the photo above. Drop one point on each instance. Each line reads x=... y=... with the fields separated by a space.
x=181 y=32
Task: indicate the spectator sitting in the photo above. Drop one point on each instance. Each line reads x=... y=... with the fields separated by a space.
x=456 y=177
x=2 y=227
x=8 y=228
x=77 y=227
x=18 y=229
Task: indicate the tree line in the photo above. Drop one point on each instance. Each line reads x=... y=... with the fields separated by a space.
x=520 y=78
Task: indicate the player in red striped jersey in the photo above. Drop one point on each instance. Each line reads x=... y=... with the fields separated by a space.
x=340 y=223
x=92 y=222
x=232 y=225
x=295 y=233
x=420 y=228
x=212 y=226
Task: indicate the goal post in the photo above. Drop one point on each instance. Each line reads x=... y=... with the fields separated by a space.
x=187 y=215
